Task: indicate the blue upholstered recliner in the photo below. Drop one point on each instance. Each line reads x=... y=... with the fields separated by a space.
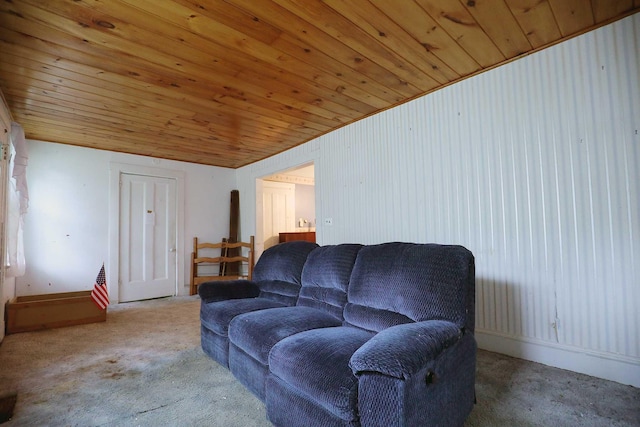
x=379 y=335
x=405 y=355
x=325 y=279
x=276 y=283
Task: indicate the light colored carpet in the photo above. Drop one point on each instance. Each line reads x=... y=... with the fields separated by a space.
x=144 y=367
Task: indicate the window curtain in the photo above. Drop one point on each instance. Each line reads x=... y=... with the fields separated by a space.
x=17 y=201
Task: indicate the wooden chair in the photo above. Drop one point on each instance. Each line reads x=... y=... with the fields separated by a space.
x=221 y=255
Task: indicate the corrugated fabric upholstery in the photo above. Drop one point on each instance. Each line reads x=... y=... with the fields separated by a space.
x=325 y=280
x=283 y=262
x=278 y=272
x=381 y=335
x=316 y=363
x=276 y=283
x=217 y=316
x=300 y=408
x=228 y=289
x=397 y=282
x=401 y=351
x=256 y=333
x=445 y=400
x=404 y=356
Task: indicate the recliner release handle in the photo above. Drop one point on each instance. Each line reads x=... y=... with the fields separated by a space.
x=430 y=378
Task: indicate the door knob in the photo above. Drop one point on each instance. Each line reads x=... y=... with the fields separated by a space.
x=172 y=250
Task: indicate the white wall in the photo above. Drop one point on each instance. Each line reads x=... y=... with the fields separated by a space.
x=535 y=167
x=67 y=226
x=305 y=204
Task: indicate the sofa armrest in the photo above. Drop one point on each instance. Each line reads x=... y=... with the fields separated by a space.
x=227 y=289
x=401 y=351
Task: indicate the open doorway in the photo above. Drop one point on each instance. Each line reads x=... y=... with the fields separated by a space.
x=285 y=207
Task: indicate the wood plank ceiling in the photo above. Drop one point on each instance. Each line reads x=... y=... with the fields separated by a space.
x=228 y=83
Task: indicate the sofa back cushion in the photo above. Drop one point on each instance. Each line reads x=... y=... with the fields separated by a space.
x=395 y=283
x=278 y=272
x=325 y=278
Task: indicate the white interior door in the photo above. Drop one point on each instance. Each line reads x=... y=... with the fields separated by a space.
x=278 y=210
x=147 y=237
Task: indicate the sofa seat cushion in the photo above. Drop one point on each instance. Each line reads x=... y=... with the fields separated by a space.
x=316 y=364
x=216 y=316
x=283 y=292
x=257 y=332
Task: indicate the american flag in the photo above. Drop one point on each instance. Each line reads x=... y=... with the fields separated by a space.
x=99 y=293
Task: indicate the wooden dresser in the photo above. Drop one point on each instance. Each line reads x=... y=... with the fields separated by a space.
x=309 y=236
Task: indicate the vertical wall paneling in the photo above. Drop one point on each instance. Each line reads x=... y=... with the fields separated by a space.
x=535 y=167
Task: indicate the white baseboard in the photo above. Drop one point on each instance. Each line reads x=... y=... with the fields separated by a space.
x=621 y=369
x=184 y=291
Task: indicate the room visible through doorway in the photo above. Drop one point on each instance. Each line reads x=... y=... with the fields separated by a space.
x=285 y=207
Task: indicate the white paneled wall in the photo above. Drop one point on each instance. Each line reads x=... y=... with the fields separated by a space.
x=535 y=167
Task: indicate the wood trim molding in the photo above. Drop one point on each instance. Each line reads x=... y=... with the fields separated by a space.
x=291 y=179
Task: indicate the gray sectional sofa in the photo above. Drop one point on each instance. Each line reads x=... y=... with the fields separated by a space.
x=350 y=335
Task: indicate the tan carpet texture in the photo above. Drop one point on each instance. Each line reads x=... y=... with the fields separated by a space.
x=144 y=367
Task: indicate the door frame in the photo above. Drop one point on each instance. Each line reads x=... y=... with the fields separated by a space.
x=113 y=265
x=290 y=191
x=259 y=201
